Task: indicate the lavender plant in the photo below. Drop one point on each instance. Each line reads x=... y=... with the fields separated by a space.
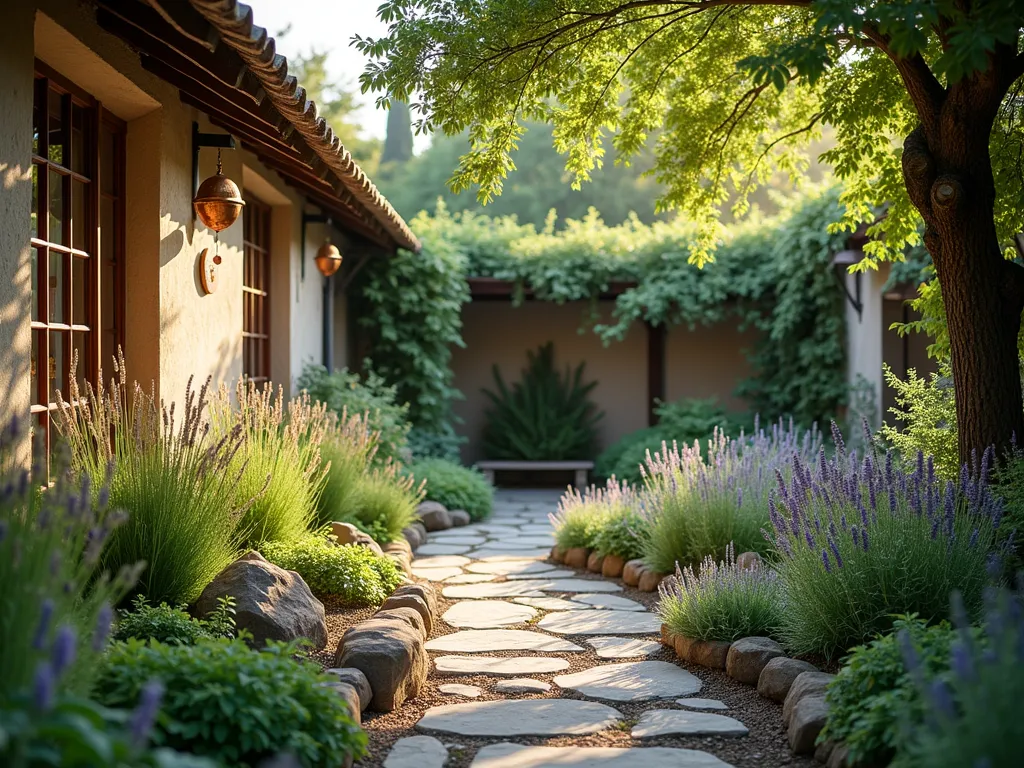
x=973 y=711
x=696 y=505
x=50 y=568
x=862 y=540
x=581 y=517
x=172 y=478
x=722 y=601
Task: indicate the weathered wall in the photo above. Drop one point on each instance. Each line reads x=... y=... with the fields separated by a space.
x=16 y=67
x=701 y=363
x=864 y=332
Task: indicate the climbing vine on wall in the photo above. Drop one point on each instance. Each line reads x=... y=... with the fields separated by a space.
x=773 y=275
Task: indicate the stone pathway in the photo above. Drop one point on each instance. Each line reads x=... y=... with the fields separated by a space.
x=518 y=616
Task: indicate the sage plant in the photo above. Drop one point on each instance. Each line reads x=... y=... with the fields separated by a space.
x=860 y=540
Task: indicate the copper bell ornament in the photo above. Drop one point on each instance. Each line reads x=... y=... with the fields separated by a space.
x=328 y=259
x=218 y=202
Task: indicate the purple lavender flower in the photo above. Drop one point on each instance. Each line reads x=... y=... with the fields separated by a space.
x=824 y=559
x=104 y=617
x=63 y=649
x=837 y=438
x=43 y=687
x=144 y=716
x=43 y=627
x=961 y=661
x=974 y=539
x=942 y=699
x=835 y=553
x=855 y=533
x=864 y=539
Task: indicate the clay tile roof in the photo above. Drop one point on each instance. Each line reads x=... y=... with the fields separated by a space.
x=233 y=21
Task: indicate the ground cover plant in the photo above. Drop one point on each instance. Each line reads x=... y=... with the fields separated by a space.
x=346 y=392
x=546 y=415
x=278 y=465
x=899 y=541
x=455 y=486
x=972 y=715
x=168 y=624
x=353 y=573
x=874 y=697
x=623 y=531
x=240 y=707
x=721 y=601
x=170 y=476
x=698 y=503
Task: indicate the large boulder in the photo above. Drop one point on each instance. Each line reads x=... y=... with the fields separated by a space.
x=350 y=695
x=353 y=677
x=632 y=571
x=434 y=516
x=649 y=580
x=390 y=653
x=748 y=656
x=612 y=566
x=410 y=616
x=778 y=675
x=346 y=533
x=808 y=718
x=270 y=602
x=709 y=653
x=806 y=684
x=423 y=591
x=412 y=535
x=459 y=517
x=416 y=603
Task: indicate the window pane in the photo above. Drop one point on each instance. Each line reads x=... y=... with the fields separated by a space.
x=56 y=194
x=108 y=153
x=56 y=130
x=58 y=365
x=35 y=200
x=79 y=342
x=79 y=230
x=57 y=282
x=79 y=158
x=34 y=398
x=37 y=122
x=37 y=254
x=108 y=315
x=78 y=294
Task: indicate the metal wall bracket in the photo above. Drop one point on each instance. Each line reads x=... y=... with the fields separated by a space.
x=200 y=140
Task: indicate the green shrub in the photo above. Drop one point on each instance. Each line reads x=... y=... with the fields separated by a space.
x=171 y=478
x=544 y=416
x=455 y=486
x=622 y=532
x=77 y=733
x=166 y=624
x=240 y=707
x=874 y=696
x=1009 y=487
x=581 y=517
x=435 y=444
x=278 y=464
x=346 y=392
x=348 y=452
x=623 y=458
x=384 y=503
x=52 y=582
x=696 y=506
x=352 y=573
x=973 y=705
x=926 y=415
x=861 y=542
x=721 y=601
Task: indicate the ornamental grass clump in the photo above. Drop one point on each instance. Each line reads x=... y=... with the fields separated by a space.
x=173 y=479
x=861 y=541
x=384 y=503
x=972 y=709
x=348 y=452
x=581 y=516
x=278 y=464
x=696 y=505
x=722 y=601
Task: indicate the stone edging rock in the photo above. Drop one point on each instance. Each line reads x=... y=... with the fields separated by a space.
x=798 y=685
x=634 y=573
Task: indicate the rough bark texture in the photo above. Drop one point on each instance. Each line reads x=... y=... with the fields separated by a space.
x=948 y=173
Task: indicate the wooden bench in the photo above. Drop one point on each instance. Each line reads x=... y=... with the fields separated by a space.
x=581 y=468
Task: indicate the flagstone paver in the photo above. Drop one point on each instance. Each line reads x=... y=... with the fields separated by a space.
x=548 y=603
x=520 y=717
x=487 y=614
x=631 y=681
x=443 y=549
x=492 y=589
x=591 y=622
x=522 y=685
x=608 y=602
x=574 y=585
x=439 y=561
x=511 y=566
x=677 y=722
x=499 y=666
x=459 y=689
x=468 y=578
x=436 y=574
x=702 y=703
x=494 y=554
x=507 y=755
x=417 y=752
x=623 y=647
x=484 y=640
x=557 y=574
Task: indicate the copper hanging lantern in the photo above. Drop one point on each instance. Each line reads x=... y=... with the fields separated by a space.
x=218 y=202
x=328 y=259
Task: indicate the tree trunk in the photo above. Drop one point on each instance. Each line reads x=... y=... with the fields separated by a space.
x=948 y=172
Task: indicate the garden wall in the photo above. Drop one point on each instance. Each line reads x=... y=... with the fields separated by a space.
x=701 y=363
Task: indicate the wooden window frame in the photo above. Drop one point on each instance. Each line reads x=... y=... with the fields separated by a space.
x=96 y=120
x=256 y=249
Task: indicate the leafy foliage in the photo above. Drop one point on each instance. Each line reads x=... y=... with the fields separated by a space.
x=721 y=601
x=166 y=624
x=926 y=419
x=347 y=394
x=899 y=541
x=874 y=696
x=227 y=702
x=455 y=486
x=544 y=416
x=411 y=309
x=622 y=532
x=972 y=706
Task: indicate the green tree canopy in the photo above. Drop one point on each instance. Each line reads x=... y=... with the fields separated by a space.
x=735 y=89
